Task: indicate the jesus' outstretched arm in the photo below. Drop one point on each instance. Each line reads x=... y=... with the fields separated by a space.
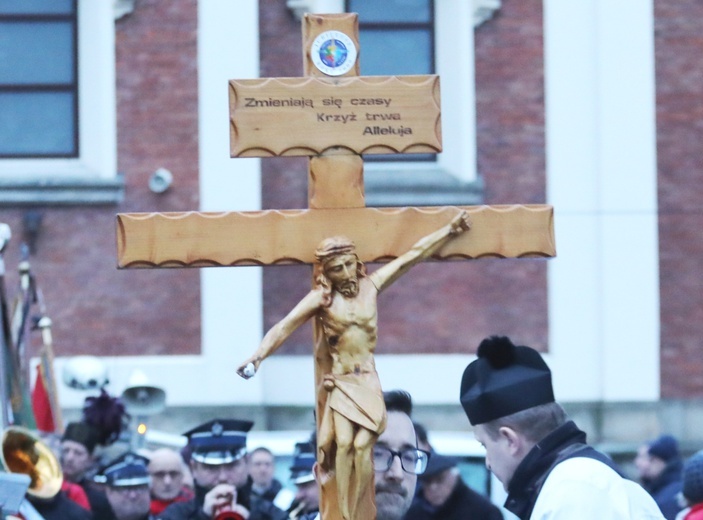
x=421 y=250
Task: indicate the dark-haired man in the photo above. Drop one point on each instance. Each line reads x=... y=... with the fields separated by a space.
x=397 y=460
x=539 y=455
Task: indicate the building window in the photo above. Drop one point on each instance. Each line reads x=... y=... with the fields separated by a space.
x=397 y=38
x=38 y=79
x=423 y=37
x=58 y=135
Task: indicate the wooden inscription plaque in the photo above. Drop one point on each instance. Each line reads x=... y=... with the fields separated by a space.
x=353 y=115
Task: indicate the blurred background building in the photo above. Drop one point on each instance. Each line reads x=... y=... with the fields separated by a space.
x=592 y=106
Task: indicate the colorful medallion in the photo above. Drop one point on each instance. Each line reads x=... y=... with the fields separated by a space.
x=333 y=53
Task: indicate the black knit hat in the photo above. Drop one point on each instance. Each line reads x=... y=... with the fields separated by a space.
x=693 y=479
x=437 y=464
x=505 y=379
x=664 y=447
x=82 y=433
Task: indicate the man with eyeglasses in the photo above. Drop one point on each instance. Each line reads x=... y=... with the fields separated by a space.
x=167 y=472
x=396 y=458
x=127 y=487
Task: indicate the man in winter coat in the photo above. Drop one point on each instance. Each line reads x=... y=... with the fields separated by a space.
x=219 y=468
x=541 y=457
x=443 y=495
x=660 y=468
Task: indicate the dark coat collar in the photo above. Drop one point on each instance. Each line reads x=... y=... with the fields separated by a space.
x=531 y=473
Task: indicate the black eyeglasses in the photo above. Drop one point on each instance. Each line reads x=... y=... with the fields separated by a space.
x=412 y=460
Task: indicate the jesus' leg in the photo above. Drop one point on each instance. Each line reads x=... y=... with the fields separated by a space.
x=344 y=464
x=363 y=466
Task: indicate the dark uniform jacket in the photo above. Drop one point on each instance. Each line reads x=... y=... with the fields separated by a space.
x=99 y=504
x=259 y=509
x=463 y=504
x=270 y=494
x=665 y=488
x=60 y=507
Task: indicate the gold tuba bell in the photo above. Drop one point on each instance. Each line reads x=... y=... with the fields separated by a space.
x=24 y=452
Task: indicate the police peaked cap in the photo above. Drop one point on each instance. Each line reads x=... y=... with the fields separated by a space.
x=129 y=469
x=219 y=441
x=303 y=461
x=505 y=379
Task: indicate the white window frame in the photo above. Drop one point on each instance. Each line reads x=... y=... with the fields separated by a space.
x=454 y=60
x=91 y=177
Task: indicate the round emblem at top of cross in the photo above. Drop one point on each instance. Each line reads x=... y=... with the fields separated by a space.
x=333 y=53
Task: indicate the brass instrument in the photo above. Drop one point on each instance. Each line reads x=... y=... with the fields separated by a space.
x=24 y=452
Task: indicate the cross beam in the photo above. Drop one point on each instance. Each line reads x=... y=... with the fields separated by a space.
x=290 y=236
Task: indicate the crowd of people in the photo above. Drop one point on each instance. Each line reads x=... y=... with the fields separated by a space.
x=541 y=457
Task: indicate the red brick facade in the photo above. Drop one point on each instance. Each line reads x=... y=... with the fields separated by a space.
x=679 y=73
x=95 y=308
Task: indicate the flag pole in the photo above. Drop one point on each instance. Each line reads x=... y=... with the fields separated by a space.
x=47 y=371
x=6 y=415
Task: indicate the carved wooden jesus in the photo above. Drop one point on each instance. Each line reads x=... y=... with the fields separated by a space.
x=344 y=302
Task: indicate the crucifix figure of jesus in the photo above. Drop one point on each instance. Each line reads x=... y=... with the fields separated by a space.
x=343 y=301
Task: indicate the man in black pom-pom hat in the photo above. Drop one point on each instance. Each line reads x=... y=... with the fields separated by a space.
x=218 y=463
x=539 y=455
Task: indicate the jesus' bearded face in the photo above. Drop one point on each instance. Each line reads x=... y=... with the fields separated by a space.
x=342 y=273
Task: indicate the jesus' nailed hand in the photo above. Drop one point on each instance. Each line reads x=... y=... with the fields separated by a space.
x=344 y=298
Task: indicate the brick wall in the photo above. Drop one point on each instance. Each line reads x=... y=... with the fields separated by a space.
x=679 y=74
x=95 y=308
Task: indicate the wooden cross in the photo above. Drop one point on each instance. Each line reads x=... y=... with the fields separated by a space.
x=332 y=118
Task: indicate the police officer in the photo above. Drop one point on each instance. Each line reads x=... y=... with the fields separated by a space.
x=307 y=495
x=127 y=486
x=219 y=468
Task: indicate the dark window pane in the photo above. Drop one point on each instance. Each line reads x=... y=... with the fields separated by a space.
x=37 y=124
x=374 y=11
x=36 y=53
x=390 y=53
x=36 y=6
